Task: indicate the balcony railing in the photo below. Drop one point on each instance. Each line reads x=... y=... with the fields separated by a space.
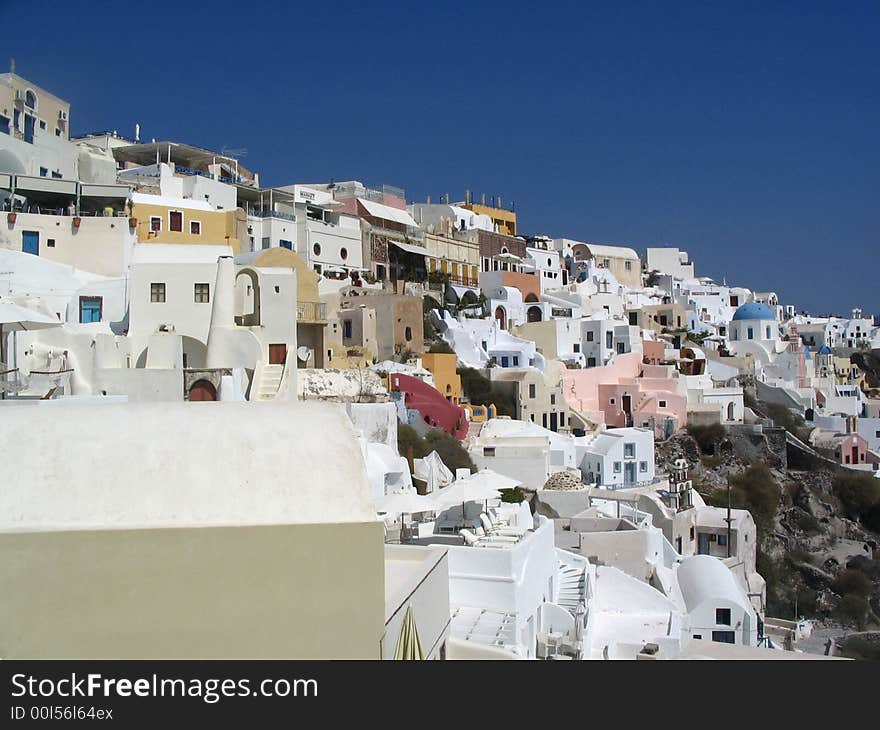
x=311 y=312
x=271 y=214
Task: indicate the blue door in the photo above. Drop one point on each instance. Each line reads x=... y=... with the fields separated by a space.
x=30 y=242
x=286 y=244
x=29 y=128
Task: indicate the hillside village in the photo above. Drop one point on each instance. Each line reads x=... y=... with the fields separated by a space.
x=439 y=435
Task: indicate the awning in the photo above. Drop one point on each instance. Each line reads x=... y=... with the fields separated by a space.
x=386 y=212
x=45 y=185
x=104 y=191
x=410 y=248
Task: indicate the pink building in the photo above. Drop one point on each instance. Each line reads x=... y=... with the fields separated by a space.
x=852 y=449
x=628 y=393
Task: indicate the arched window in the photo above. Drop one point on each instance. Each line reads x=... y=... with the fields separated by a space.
x=343 y=253
x=408 y=334
x=768 y=332
x=751 y=333
x=30 y=99
x=317 y=249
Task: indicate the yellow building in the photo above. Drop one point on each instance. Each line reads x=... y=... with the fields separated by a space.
x=504 y=220
x=161 y=219
x=443 y=366
x=458 y=257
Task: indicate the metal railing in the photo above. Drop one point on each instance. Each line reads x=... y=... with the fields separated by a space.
x=271 y=214
x=311 y=312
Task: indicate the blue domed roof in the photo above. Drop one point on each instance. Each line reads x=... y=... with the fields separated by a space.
x=754 y=310
x=824 y=350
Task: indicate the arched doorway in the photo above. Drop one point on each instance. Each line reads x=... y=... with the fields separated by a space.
x=534 y=314
x=730 y=412
x=531 y=297
x=202 y=390
x=501 y=317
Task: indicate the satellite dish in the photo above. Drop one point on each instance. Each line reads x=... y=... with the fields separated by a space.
x=303 y=353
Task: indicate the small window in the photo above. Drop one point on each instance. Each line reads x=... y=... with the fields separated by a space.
x=44 y=171
x=643 y=466
x=90 y=309
x=488 y=451
x=629 y=451
x=317 y=249
x=57 y=132
x=346 y=328
x=628 y=265
x=155 y=223
x=195 y=228
x=589 y=336
x=157 y=292
x=175 y=221
x=698 y=636
x=343 y=253
x=577 y=346
x=722 y=540
x=50 y=243
x=552 y=399
x=617 y=467
x=722 y=616
x=42 y=124
x=407 y=333
x=202 y=293
x=286 y=244
x=662 y=404
x=692 y=533
x=516 y=360
x=531 y=390
x=611 y=401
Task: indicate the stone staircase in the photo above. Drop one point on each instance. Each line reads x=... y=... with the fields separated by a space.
x=270 y=381
x=572 y=585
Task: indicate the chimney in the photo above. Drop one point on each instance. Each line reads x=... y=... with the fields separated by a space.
x=222 y=312
x=428 y=199
x=447 y=198
x=467 y=197
x=483 y=198
x=137 y=132
x=499 y=201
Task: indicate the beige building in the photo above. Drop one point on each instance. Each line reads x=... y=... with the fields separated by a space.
x=458 y=257
x=399 y=319
x=159 y=219
x=623 y=262
x=538 y=395
x=273 y=551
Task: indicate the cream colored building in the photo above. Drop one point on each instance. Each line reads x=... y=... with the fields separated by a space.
x=273 y=551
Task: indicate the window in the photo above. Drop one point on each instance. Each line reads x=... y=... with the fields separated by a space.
x=591 y=362
x=265 y=242
x=751 y=333
x=90 y=309
x=44 y=171
x=42 y=124
x=722 y=540
x=692 y=532
x=57 y=132
x=343 y=253
x=629 y=451
x=516 y=360
x=50 y=243
x=698 y=636
x=662 y=404
x=488 y=451
x=157 y=292
x=30 y=99
x=286 y=244
x=195 y=228
x=617 y=467
x=609 y=340
x=611 y=401
x=4 y=124
x=544 y=420
x=768 y=332
x=589 y=336
x=628 y=265
x=155 y=224
x=724 y=637
x=577 y=346
x=407 y=333
x=317 y=249
x=202 y=293
x=620 y=348
x=643 y=466
x=175 y=221
x=552 y=399
x=531 y=390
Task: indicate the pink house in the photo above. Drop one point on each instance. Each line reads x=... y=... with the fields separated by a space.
x=852 y=450
x=628 y=393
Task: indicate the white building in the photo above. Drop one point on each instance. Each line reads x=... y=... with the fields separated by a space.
x=617 y=458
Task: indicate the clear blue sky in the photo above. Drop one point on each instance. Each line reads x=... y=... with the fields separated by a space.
x=746 y=135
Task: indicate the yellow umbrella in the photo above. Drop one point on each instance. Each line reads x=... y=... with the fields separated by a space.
x=409 y=645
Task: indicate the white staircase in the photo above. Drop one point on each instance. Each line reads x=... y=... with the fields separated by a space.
x=270 y=381
x=572 y=585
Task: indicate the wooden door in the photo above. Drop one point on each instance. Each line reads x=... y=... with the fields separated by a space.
x=277 y=354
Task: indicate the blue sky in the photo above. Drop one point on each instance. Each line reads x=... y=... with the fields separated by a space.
x=745 y=133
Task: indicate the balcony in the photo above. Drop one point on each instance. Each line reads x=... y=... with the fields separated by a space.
x=257 y=213
x=311 y=312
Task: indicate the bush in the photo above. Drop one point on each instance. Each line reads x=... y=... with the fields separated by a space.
x=482 y=391
x=784 y=418
x=858 y=647
x=514 y=496
x=707 y=437
x=441 y=347
x=756 y=490
x=853 y=610
x=447 y=447
x=851 y=582
x=806 y=522
x=710 y=462
x=859 y=494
